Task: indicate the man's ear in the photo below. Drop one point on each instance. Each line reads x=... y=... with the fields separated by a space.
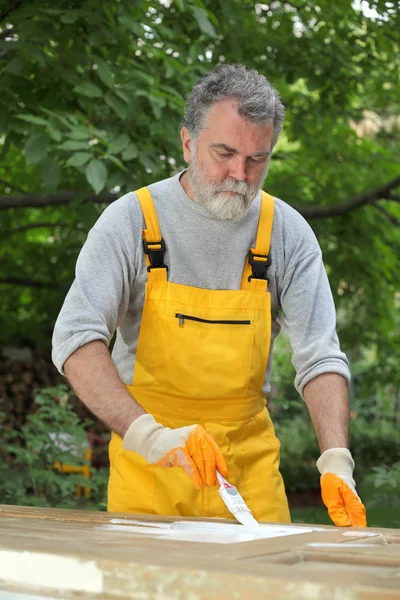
x=186 y=144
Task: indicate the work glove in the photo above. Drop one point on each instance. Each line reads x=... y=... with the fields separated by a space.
x=191 y=448
x=338 y=489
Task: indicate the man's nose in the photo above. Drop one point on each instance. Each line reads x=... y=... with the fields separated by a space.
x=237 y=168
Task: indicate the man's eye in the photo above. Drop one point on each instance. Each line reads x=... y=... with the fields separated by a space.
x=257 y=160
x=225 y=155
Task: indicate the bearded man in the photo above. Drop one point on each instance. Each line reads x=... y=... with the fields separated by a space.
x=191 y=273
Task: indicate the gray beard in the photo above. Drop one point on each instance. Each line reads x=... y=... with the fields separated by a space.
x=212 y=197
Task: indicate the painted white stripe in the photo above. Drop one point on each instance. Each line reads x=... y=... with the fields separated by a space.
x=342 y=545
x=50 y=571
x=14 y=596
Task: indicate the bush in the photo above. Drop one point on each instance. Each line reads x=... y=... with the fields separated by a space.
x=381 y=490
x=373 y=444
x=52 y=434
x=299 y=452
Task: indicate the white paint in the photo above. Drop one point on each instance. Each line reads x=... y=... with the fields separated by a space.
x=360 y=534
x=145 y=523
x=305 y=590
x=206 y=531
x=50 y=571
x=14 y=596
x=339 y=545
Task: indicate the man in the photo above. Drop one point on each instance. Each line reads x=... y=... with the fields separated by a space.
x=189 y=272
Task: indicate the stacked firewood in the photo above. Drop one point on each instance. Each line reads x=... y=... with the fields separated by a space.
x=23 y=371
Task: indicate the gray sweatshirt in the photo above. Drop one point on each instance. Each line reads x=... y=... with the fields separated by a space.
x=107 y=294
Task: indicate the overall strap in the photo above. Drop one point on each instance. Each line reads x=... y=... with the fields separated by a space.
x=153 y=244
x=255 y=277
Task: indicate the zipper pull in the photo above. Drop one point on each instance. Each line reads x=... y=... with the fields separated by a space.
x=181 y=320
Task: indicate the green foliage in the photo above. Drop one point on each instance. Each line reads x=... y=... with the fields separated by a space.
x=381 y=489
x=52 y=434
x=387 y=477
x=299 y=452
x=375 y=448
x=374 y=445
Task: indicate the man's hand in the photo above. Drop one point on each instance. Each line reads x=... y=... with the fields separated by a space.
x=191 y=448
x=338 y=490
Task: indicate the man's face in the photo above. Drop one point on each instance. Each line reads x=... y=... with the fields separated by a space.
x=228 y=161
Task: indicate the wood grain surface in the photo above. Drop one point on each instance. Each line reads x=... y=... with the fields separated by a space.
x=51 y=553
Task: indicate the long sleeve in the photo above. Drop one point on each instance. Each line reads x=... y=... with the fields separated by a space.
x=310 y=320
x=99 y=296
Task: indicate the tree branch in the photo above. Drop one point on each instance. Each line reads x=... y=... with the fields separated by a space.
x=14 y=5
x=52 y=285
x=380 y=193
x=387 y=214
x=38 y=200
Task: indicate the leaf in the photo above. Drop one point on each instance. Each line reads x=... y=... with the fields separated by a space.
x=80 y=133
x=117 y=106
x=72 y=119
x=14 y=66
x=78 y=159
x=70 y=17
x=116 y=161
x=157 y=103
x=203 y=21
x=73 y=145
x=33 y=119
x=122 y=95
x=104 y=73
x=4 y=119
x=51 y=174
x=130 y=152
x=6 y=146
x=147 y=161
x=10 y=45
x=119 y=144
x=89 y=89
x=96 y=174
x=53 y=132
x=36 y=148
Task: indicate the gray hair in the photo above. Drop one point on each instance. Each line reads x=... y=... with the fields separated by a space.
x=257 y=100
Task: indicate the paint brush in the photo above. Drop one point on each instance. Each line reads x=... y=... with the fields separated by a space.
x=235 y=503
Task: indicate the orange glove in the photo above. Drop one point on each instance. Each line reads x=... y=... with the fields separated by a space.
x=338 y=489
x=191 y=448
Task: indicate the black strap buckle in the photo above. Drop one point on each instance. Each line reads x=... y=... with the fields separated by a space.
x=156 y=255
x=259 y=268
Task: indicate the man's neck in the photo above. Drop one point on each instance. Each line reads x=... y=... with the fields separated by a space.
x=185 y=183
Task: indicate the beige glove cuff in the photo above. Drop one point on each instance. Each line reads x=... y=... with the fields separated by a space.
x=336 y=460
x=340 y=462
x=141 y=435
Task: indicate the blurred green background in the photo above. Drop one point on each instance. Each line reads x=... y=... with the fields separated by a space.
x=92 y=94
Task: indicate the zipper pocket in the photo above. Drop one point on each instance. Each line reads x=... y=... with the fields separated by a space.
x=190 y=318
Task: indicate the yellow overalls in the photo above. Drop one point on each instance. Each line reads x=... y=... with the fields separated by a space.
x=201 y=358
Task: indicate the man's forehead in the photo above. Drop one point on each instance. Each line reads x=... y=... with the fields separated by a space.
x=224 y=125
